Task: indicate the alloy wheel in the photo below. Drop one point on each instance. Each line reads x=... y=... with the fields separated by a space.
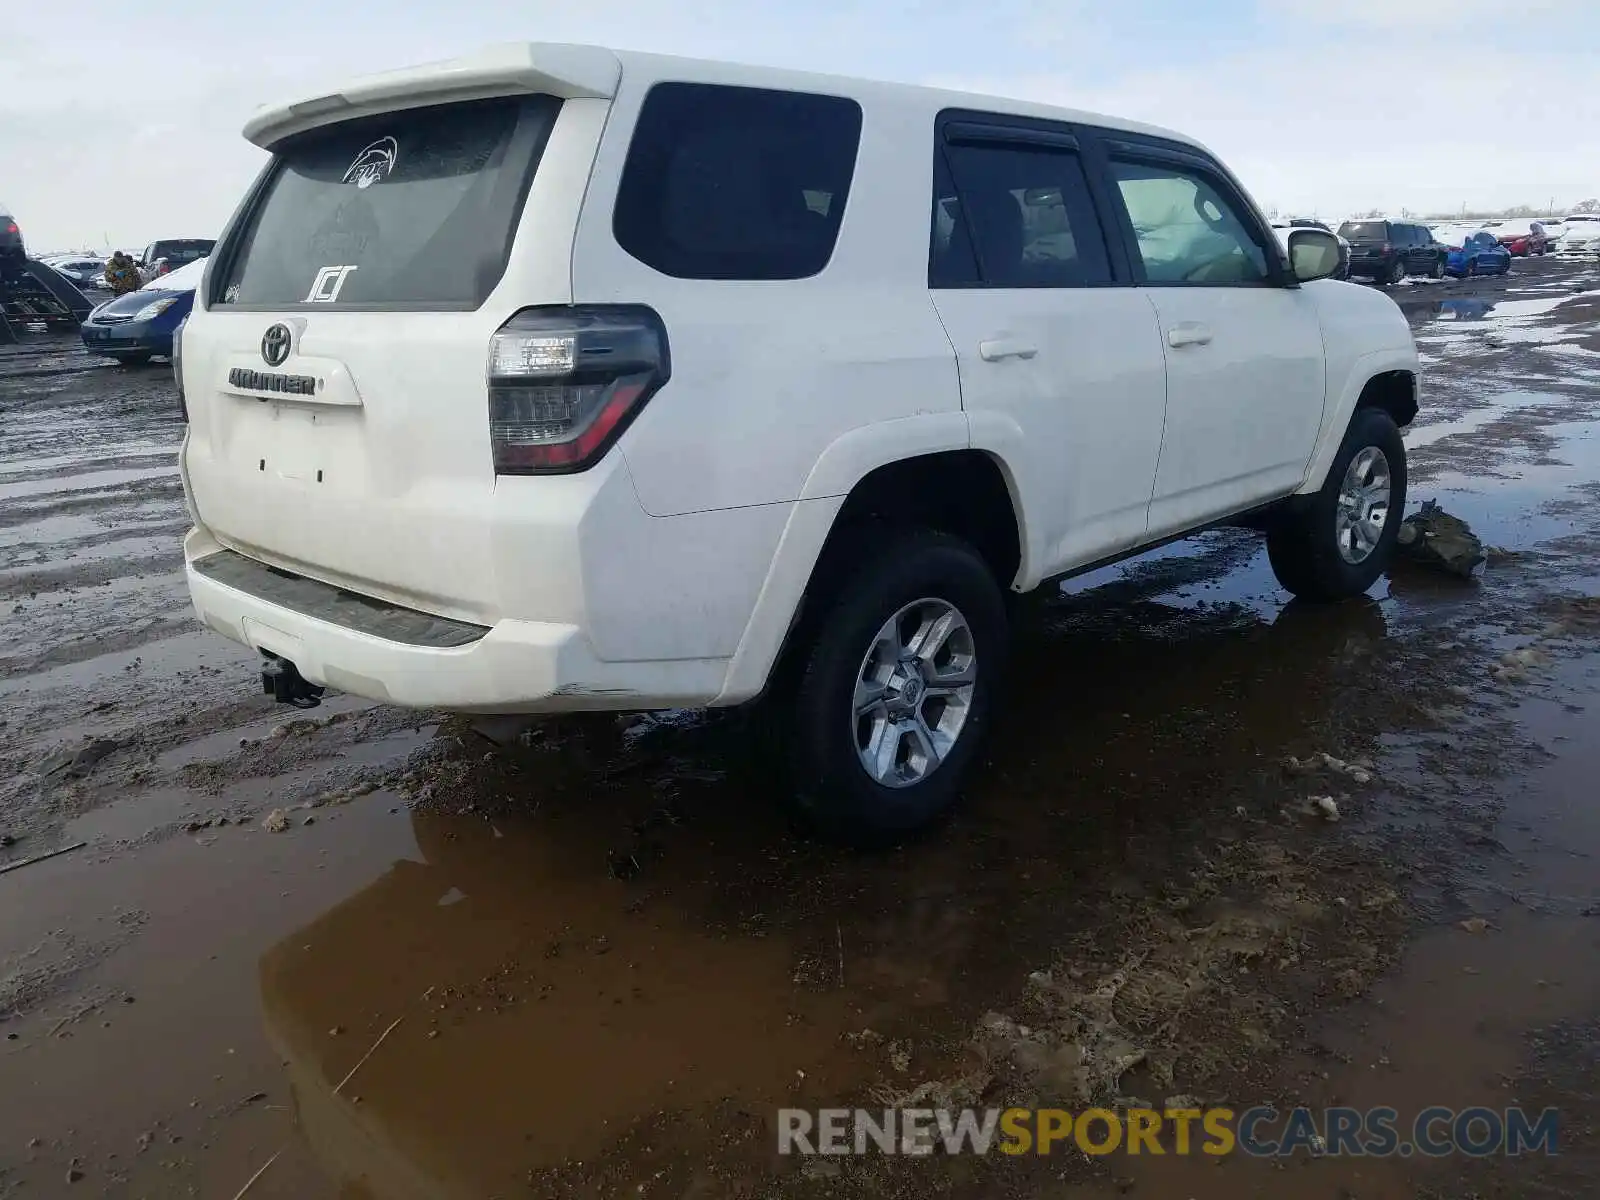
x=1363 y=506
x=914 y=692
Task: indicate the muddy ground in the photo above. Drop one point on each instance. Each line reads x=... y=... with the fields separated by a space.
x=595 y=960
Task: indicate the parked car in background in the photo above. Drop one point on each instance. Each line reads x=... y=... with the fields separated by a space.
x=1388 y=251
x=744 y=351
x=1479 y=253
x=177 y=252
x=139 y=325
x=1581 y=234
x=1522 y=238
x=85 y=271
x=1283 y=226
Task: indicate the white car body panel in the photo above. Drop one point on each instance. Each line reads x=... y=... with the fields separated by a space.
x=670 y=572
x=1091 y=397
x=1243 y=404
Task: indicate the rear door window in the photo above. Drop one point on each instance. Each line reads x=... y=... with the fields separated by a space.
x=1013 y=216
x=410 y=209
x=736 y=183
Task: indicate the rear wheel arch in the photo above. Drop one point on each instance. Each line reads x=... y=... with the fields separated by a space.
x=966 y=494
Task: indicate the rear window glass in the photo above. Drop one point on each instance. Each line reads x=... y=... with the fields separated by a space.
x=736 y=183
x=411 y=209
x=1377 y=231
x=180 y=251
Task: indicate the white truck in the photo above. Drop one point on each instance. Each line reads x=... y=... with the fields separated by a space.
x=563 y=378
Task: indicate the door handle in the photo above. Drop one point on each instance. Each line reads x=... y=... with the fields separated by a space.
x=994 y=349
x=1190 y=333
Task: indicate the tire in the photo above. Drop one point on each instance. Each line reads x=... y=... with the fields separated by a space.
x=919 y=575
x=1438 y=269
x=1305 y=550
x=1397 y=273
x=135 y=358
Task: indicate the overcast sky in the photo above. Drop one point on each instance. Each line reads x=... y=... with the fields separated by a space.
x=119 y=122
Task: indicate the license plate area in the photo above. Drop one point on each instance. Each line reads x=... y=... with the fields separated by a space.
x=294 y=441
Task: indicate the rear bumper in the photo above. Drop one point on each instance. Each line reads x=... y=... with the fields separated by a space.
x=582 y=604
x=514 y=666
x=1371 y=268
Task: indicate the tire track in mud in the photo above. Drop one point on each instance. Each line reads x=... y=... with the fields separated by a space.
x=93 y=607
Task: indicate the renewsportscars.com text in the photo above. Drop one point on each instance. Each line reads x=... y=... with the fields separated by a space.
x=1261 y=1132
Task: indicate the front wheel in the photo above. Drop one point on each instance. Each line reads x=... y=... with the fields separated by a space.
x=1337 y=545
x=898 y=686
x=1438 y=269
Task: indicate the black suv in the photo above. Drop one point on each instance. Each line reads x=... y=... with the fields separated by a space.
x=1388 y=251
x=12 y=255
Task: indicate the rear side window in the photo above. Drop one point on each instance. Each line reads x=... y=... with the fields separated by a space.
x=410 y=209
x=1013 y=216
x=736 y=183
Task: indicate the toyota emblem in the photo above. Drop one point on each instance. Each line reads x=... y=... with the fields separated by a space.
x=275 y=345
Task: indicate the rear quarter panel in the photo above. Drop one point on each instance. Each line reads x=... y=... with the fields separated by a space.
x=767 y=375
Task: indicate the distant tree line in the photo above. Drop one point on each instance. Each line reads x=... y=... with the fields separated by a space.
x=1478 y=214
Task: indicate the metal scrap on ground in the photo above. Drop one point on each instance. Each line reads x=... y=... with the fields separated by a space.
x=1434 y=538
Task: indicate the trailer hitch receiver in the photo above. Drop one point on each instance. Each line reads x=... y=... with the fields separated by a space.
x=281 y=680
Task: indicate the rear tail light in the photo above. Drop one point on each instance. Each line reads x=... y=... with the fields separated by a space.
x=1387 y=246
x=11 y=227
x=565 y=382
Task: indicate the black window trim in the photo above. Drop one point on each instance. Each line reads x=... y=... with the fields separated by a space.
x=975 y=127
x=532 y=135
x=1139 y=148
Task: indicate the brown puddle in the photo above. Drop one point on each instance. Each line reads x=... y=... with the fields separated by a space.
x=542 y=1008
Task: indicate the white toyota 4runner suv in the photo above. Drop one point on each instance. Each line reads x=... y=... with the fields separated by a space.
x=567 y=378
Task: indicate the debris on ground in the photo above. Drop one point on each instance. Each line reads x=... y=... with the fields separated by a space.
x=1434 y=538
x=1356 y=772
x=900 y=1056
x=1327 y=806
x=1475 y=925
x=276 y=821
x=37 y=858
x=75 y=762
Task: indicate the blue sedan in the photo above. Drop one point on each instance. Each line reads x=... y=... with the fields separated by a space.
x=1479 y=254
x=134 y=327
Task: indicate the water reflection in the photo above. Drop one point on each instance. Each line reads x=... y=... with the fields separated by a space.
x=550 y=1011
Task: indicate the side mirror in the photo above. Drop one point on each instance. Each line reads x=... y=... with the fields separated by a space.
x=1313 y=254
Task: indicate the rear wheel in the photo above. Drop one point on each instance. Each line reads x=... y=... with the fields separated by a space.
x=898 y=686
x=1397 y=272
x=1341 y=541
x=1438 y=269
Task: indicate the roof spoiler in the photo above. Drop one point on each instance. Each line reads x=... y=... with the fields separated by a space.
x=550 y=68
